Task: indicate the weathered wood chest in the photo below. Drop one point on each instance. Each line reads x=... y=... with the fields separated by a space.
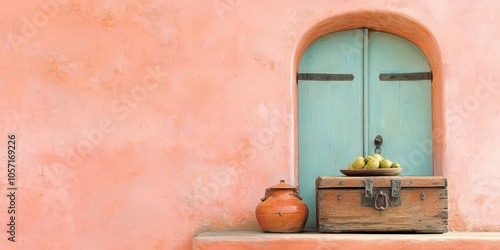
x=382 y=204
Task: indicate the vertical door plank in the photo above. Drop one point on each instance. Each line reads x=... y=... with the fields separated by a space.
x=366 y=32
x=400 y=111
x=330 y=112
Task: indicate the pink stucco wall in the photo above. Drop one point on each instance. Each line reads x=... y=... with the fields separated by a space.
x=141 y=123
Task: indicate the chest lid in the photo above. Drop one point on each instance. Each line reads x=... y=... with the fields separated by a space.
x=381 y=181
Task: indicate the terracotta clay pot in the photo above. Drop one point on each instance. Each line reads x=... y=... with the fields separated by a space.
x=281 y=210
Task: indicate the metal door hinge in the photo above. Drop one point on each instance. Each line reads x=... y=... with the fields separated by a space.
x=325 y=77
x=406 y=76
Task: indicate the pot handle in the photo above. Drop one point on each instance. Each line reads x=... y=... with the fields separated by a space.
x=267 y=194
x=296 y=193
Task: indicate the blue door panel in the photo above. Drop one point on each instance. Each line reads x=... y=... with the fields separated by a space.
x=328 y=110
x=399 y=111
x=338 y=120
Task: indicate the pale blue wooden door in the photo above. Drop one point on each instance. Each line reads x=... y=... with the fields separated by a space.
x=339 y=117
x=330 y=112
x=399 y=111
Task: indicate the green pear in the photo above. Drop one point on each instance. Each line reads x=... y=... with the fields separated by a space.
x=367 y=158
x=386 y=163
x=373 y=163
x=358 y=163
x=395 y=165
x=379 y=157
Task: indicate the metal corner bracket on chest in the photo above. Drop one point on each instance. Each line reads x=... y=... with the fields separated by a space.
x=382 y=197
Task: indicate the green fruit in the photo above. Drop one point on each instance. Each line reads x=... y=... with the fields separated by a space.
x=373 y=163
x=385 y=163
x=358 y=163
x=379 y=157
x=395 y=165
x=367 y=158
x=350 y=166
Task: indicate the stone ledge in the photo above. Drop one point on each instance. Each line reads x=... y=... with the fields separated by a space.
x=313 y=240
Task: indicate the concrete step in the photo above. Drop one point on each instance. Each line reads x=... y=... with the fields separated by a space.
x=242 y=240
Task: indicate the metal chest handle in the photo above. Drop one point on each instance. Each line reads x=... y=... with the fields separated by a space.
x=391 y=197
x=386 y=201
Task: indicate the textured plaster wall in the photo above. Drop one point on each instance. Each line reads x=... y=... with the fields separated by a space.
x=142 y=123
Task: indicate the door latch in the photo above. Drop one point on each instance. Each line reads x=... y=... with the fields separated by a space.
x=378 y=142
x=386 y=196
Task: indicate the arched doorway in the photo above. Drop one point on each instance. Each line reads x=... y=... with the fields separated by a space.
x=352 y=86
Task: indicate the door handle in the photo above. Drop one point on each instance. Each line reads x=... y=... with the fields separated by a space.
x=378 y=142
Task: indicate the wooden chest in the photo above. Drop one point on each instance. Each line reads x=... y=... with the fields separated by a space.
x=382 y=204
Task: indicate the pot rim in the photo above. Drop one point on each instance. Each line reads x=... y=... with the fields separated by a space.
x=282 y=185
